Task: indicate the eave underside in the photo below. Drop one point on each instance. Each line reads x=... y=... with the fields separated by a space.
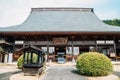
x=76 y=35
x=59 y=33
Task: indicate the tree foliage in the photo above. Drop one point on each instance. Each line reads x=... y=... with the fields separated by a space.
x=114 y=22
x=1 y=49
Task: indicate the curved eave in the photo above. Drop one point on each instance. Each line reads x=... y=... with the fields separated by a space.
x=59 y=33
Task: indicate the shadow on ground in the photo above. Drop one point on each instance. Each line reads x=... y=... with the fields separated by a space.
x=75 y=72
x=6 y=76
x=116 y=73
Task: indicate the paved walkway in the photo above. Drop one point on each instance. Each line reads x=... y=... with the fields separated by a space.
x=54 y=64
x=4 y=68
x=63 y=73
x=21 y=76
x=6 y=76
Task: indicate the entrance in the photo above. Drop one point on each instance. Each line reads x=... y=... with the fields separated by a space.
x=84 y=49
x=60 y=52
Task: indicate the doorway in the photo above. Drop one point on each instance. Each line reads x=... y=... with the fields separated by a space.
x=60 y=52
x=84 y=49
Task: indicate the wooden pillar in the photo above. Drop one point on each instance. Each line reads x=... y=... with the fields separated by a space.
x=13 y=57
x=114 y=46
x=47 y=44
x=96 y=46
x=115 y=49
x=47 y=49
x=72 y=48
x=31 y=57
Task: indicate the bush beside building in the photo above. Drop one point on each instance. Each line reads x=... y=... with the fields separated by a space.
x=94 y=64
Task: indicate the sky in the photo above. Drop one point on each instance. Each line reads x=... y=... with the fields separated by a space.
x=15 y=12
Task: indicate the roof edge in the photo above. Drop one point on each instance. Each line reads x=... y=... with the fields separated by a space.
x=62 y=9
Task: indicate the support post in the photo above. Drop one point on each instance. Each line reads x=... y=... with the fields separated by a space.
x=115 y=50
x=72 y=49
x=96 y=46
x=47 y=50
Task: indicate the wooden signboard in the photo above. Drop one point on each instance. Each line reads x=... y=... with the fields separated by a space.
x=60 y=40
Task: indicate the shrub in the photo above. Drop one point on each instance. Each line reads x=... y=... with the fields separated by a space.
x=20 y=60
x=94 y=64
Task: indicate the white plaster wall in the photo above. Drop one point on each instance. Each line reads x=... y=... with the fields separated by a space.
x=10 y=58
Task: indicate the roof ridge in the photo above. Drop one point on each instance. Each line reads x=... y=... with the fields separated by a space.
x=62 y=9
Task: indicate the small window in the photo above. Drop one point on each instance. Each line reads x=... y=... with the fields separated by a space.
x=19 y=42
x=101 y=42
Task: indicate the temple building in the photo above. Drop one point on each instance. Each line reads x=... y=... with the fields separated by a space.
x=63 y=33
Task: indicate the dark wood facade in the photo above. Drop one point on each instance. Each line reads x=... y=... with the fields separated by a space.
x=71 y=45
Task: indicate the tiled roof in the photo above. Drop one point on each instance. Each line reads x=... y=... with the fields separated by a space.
x=62 y=19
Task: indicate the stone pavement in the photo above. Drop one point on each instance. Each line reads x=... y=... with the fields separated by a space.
x=21 y=76
x=63 y=73
x=68 y=64
x=5 y=67
x=53 y=73
x=6 y=70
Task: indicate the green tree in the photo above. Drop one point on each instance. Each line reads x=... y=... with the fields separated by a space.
x=114 y=22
